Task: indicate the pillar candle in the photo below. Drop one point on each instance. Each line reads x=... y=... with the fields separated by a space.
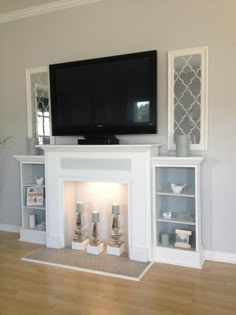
x=79 y=206
x=32 y=221
x=95 y=216
x=115 y=209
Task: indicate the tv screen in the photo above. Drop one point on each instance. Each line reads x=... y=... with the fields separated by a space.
x=105 y=96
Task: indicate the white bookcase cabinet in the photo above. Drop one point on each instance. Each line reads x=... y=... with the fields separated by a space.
x=31 y=166
x=185 y=209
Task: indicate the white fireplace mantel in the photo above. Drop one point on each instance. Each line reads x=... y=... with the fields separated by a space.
x=101 y=148
x=130 y=164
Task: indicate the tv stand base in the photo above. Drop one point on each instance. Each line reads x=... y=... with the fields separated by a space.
x=98 y=140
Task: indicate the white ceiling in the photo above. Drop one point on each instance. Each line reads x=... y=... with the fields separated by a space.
x=7 y=6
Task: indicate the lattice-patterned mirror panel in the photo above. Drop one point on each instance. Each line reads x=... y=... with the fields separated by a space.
x=38 y=104
x=187 y=78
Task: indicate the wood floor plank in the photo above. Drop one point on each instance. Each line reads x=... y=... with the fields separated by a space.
x=32 y=289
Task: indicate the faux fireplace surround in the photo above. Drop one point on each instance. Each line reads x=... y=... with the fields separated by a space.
x=129 y=164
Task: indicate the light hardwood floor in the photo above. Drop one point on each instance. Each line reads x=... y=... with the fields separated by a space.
x=33 y=289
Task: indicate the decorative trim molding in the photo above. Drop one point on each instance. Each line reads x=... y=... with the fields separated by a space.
x=43 y=9
x=9 y=228
x=229 y=258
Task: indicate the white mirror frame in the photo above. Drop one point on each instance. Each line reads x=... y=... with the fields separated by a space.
x=203 y=52
x=30 y=105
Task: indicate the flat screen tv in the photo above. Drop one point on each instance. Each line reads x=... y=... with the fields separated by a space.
x=105 y=96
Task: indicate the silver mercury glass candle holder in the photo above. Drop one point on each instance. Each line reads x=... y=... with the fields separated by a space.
x=80 y=230
x=116 y=246
x=80 y=241
x=95 y=219
x=115 y=235
x=95 y=247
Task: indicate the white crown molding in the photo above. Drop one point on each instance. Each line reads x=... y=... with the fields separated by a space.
x=43 y=9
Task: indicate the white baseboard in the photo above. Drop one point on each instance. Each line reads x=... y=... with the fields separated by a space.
x=9 y=228
x=220 y=256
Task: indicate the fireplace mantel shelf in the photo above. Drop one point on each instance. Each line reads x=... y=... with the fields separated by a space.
x=107 y=148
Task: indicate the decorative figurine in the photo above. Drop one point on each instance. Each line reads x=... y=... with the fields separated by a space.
x=80 y=241
x=39 y=180
x=176 y=188
x=95 y=247
x=116 y=246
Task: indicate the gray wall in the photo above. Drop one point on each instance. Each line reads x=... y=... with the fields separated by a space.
x=116 y=27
